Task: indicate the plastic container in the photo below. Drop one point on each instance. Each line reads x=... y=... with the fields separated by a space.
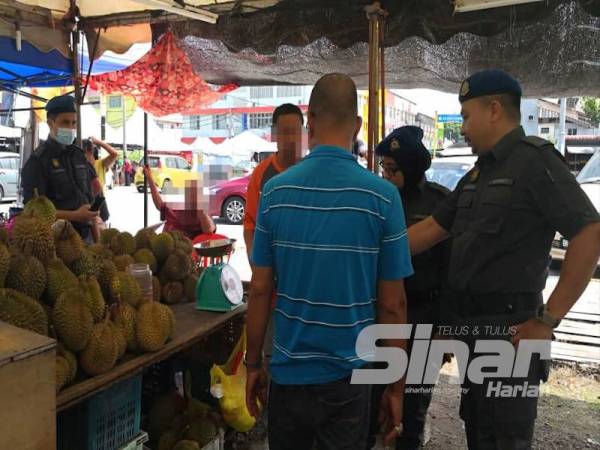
x=143 y=275
x=114 y=415
x=107 y=421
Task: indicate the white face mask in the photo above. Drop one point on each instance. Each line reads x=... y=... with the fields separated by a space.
x=65 y=136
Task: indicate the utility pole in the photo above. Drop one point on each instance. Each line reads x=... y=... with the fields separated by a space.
x=562 y=125
x=124 y=126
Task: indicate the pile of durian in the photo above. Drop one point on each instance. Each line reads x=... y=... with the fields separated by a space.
x=181 y=423
x=53 y=284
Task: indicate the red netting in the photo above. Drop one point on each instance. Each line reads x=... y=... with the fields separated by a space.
x=162 y=81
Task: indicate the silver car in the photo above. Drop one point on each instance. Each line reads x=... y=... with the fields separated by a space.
x=589 y=180
x=9 y=175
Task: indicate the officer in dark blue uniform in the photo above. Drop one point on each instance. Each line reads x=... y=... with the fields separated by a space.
x=404 y=160
x=502 y=217
x=60 y=170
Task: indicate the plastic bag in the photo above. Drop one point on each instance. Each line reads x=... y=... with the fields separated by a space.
x=228 y=384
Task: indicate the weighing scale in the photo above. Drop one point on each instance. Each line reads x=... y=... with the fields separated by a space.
x=219 y=287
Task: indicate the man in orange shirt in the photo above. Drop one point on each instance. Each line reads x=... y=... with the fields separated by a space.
x=287 y=130
x=288 y=122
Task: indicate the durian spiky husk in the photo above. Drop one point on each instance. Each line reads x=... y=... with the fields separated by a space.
x=41 y=207
x=68 y=243
x=101 y=353
x=22 y=311
x=26 y=274
x=72 y=319
x=155 y=325
x=33 y=233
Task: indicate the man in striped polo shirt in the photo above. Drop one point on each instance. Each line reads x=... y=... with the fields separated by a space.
x=334 y=236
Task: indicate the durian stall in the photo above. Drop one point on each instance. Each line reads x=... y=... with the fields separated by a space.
x=111 y=320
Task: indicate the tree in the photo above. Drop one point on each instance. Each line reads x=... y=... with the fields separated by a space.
x=591 y=107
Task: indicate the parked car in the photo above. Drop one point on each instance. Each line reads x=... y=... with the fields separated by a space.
x=9 y=175
x=589 y=180
x=448 y=171
x=167 y=170
x=228 y=200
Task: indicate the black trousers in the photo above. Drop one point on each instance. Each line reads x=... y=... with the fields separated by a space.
x=332 y=416
x=497 y=413
x=416 y=397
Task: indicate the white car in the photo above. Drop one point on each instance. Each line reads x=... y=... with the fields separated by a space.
x=589 y=180
x=448 y=171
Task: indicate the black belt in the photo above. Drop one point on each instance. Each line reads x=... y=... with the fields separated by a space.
x=469 y=305
x=422 y=296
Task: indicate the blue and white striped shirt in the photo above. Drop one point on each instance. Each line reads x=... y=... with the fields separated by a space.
x=330 y=230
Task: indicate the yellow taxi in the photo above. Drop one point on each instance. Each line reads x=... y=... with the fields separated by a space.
x=168 y=171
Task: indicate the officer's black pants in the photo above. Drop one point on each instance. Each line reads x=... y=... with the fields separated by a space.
x=493 y=422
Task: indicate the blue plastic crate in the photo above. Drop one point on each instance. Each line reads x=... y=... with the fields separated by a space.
x=113 y=416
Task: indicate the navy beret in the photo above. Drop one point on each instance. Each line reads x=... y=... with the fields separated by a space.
x=488 y=82
x=405 y=146
x=61 y=104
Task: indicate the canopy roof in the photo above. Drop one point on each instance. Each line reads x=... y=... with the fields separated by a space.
x=551 y=46
x=31 y=67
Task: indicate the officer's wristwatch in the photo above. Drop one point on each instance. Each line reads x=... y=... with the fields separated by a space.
x=545 y=317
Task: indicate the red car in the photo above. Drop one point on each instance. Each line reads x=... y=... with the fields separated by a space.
x=228 y=200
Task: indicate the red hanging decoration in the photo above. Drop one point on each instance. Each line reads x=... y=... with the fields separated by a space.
x=162 y=81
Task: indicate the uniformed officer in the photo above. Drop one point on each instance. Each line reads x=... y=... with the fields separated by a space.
x=502 y=217
x=59 y=169
x=404 y=160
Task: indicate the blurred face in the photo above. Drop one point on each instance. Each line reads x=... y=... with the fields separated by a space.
x=62 y=120
x=391 y=172
x=480 y=123
x=288 y=135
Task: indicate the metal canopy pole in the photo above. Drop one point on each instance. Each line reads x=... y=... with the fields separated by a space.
x=74 y=12
x=375 y=15
x=145 y=163
x=382 y=73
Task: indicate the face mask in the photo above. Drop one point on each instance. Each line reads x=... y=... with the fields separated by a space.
x=65 y=136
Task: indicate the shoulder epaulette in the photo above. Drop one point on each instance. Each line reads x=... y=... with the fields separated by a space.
x=438 y=187
x=536 y=141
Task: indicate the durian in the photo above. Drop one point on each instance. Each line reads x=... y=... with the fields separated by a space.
x=22 y=311
x=29 y=231
x=162 y=246
x=68 y=243
x=123 y=244
x=101 y=353
x=26 y=274
x=145 y=256
x=72 y=319
x=41 y=207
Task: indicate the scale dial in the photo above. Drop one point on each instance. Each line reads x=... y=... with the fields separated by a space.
x=232 y=285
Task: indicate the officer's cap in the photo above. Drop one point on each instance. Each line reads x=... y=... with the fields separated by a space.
x=404 y=145
x=488 y=82
x=61 y=104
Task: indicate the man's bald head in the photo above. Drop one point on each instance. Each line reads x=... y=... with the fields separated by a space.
x=334 y=100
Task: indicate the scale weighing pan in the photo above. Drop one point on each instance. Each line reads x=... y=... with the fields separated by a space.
x=214 y=248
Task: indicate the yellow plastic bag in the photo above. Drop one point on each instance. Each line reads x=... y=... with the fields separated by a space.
x=228 y=384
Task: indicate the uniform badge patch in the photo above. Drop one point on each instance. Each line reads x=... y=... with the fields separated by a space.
x=464 y=88
x=474 y=176
x=55 y=163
